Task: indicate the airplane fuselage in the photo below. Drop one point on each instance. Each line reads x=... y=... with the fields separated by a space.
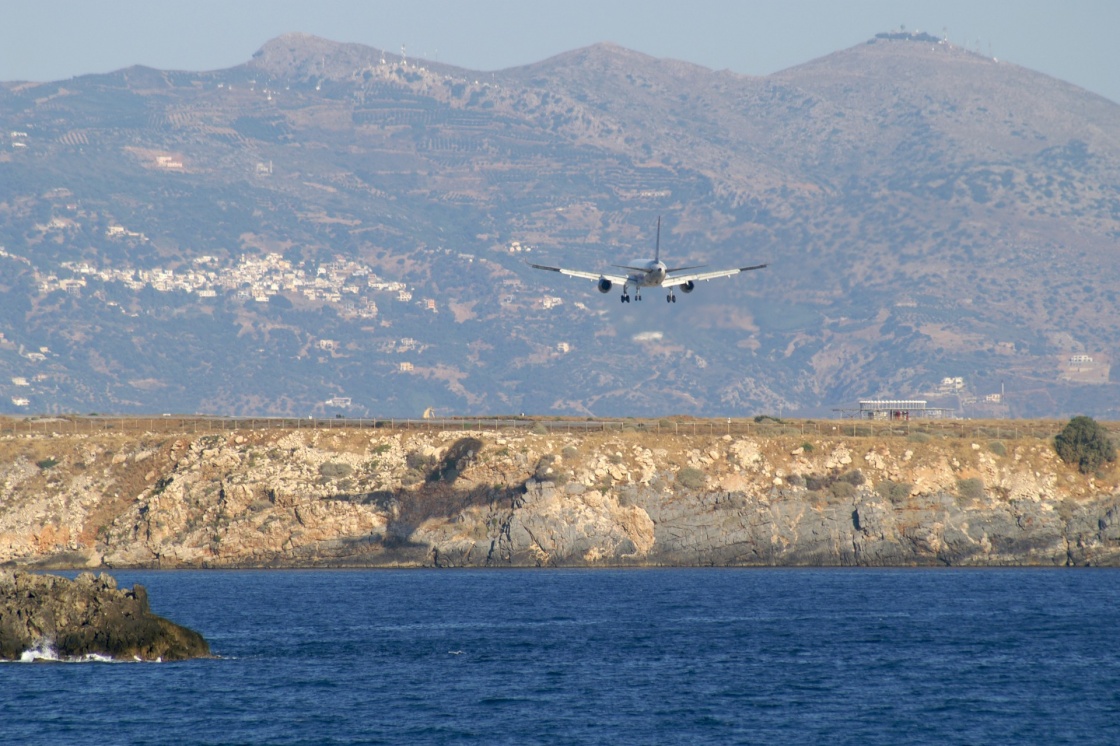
x=653 y=276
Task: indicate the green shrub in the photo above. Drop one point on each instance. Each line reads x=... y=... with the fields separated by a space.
x=795 y=480
x=539 y=429
x=853 y=477
x=997 y=448
x=842 y=490
x=918 y=437
x=417 y=461
x=47 y=463
x=807 y=447
x=1085 y=443
x=691 y=478
x=570 y=453
x=895 y=492
x=544 y=468
x=971 y=488
x=815 y=483
x=334 y=470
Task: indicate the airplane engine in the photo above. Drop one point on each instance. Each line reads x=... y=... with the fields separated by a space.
x=688 y=287
x=604 y=285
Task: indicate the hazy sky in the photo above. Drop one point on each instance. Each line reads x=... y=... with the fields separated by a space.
x=1074 y=40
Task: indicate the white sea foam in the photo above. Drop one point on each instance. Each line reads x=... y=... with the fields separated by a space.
x=44 y=651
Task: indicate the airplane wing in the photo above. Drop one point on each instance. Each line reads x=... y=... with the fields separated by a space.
x=581 y=274
x=675 y=280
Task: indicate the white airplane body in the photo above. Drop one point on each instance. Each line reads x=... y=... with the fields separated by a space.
x=652 y=274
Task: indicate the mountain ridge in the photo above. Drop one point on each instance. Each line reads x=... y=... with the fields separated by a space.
x=928 y=214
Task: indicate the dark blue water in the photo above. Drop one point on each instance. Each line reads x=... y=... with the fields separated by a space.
x=618 y=657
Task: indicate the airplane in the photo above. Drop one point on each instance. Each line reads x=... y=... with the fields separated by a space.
x=653 y=274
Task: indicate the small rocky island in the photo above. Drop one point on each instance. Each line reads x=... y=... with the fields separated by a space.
x=49 y=616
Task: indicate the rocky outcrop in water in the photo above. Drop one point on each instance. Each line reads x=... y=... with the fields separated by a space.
x=315 y=498
x=53 y=617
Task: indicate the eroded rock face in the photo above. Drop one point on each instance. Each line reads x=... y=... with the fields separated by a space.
x=276 y=498
x=87 y=616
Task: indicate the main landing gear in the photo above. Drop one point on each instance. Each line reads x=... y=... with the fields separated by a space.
x=671 y=298
x=626 y=298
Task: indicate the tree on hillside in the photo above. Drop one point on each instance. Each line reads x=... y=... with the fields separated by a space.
x=1085 y=443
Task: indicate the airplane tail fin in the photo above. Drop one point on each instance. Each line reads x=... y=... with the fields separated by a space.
x=657 y=246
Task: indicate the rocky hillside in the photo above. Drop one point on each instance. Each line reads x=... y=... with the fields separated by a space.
x=169 y=240
x=496 y=498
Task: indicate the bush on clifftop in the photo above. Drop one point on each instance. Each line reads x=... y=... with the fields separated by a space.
x=691 y=478
x=1085 y=443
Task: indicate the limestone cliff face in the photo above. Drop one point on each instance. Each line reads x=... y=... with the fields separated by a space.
x=274 y=498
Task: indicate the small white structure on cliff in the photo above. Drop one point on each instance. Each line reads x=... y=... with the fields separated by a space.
x=895 y=410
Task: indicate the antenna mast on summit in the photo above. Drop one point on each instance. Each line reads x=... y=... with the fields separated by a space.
x=404 y=63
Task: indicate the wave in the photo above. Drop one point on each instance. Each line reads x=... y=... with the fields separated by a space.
x=44 y=652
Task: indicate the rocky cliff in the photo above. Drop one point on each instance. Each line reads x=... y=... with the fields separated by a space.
x=346 y=497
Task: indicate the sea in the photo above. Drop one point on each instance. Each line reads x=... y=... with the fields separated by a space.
x=636 y=656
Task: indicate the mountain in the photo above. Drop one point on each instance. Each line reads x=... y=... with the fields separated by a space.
x=330 y=228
